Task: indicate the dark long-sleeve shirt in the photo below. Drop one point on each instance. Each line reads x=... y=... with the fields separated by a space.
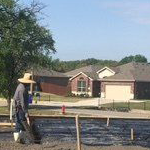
x=21 y=97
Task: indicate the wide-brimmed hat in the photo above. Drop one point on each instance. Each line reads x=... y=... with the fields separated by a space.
x=26 y=78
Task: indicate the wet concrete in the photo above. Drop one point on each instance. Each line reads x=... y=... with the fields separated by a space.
x=94 y=132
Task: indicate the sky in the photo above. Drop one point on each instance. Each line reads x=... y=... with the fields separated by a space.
x=101 y=29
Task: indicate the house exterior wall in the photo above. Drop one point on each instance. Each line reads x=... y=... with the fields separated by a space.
x=54 y=85
x=105 y=73
x=142 y=90
x=89 y=85
x=104 y=84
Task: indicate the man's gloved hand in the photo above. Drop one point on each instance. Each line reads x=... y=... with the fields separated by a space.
x=26 y=115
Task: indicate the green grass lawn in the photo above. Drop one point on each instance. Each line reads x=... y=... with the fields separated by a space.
x=4 y=110
x=35 y=111
x=46 y=110
x=57 y=98
x=143 y=105
x=1 y=96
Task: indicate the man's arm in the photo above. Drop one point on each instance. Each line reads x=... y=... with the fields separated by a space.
x=21 y=98
x=23 y=105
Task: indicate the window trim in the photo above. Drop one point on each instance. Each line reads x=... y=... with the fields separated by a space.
x=82 y=87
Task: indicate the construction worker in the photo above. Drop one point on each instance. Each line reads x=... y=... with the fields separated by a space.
x=21 y=100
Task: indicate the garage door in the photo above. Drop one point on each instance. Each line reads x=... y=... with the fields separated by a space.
x=118 y=92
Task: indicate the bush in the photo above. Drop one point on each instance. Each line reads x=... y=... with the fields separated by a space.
x=84 y=95
x=37 y=94
x=81 y=95
x=69 y=94
x=122 y=109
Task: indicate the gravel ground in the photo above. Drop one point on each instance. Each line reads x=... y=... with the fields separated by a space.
x=60 y=134
x=62 y=146
x=49 y=143
x=94 y=132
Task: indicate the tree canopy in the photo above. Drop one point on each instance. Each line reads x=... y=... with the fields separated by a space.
x=64 y=66
x=23 y=42
x=136 y=58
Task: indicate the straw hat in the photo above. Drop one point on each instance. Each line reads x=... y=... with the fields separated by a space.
x=26 y=79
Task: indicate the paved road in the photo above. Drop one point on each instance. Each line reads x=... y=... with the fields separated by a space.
x=106 y=113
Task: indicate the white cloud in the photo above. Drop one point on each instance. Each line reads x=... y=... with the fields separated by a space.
x=135 y=10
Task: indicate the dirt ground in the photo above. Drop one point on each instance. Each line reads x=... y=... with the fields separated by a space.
x=62 y=146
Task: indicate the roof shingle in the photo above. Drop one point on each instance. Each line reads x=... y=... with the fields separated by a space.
x=47 y=73
x=131 y=71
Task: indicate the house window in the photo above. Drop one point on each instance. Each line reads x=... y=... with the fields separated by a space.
x=81 y=86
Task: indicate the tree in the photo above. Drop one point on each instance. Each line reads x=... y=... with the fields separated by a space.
x=65 y=66
x=23 y=42
x=136 y=58
x=140 y=58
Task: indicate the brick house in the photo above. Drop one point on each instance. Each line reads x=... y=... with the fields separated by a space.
x=49 y=81
x=129 y=81
x=84 y=81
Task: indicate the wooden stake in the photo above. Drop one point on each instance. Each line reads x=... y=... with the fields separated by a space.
x=99 y=102
x=132 y=134
x=11 y=109
x=49 y=98
x=31 y=85
x=128 y=105
x=12 y=124
x=78 y=133
x=107 y=122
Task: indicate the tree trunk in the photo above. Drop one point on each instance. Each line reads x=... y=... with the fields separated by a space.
x=8 y=103
x=9 y=96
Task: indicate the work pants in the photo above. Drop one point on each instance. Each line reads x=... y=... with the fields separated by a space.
x=20 y=118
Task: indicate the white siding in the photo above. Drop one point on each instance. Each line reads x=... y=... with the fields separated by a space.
x=105 y=73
